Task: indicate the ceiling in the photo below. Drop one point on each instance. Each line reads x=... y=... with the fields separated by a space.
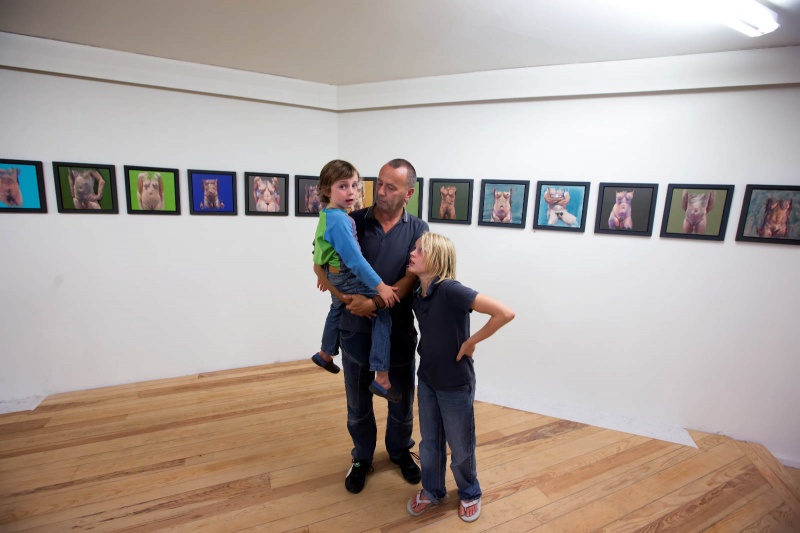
x=345 y=42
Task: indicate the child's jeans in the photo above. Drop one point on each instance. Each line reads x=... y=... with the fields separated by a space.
x=447 y=417
x=347 y=283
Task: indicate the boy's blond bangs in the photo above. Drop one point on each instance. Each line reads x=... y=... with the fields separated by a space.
x=440 y=255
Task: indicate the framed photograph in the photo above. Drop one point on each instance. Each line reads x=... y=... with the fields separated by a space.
x=503 y=203
x=152 y=191
x=770 y=214
x=307 y=202
x=626 y=208
x=450 y=201
x=212 y=192
x=22 y=187
x=266 y=193
x=414 y=205
x=85 y=188
x=697 y=211
x=561 y=205
x=366 y=188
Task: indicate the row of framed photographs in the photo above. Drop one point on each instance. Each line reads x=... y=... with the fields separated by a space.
x=691 y=211
x=91 y=188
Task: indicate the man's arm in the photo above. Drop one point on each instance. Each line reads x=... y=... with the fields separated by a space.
x=360 y=305
x=405 y=285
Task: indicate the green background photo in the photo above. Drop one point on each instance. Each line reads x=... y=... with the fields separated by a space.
x=713 y=217
x=413 y=205
x=66 y=195
x=462 y=198
x=167 y=179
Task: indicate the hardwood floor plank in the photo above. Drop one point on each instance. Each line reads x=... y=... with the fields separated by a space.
x=633 y=496
x=773 y=472
x=695 y=505
x=163 y=508
x=779 y=520
x=139 y=448
x=21 y=426
x=572 y=498
x=87 y=437
x=765 y=500
x=266 y=448
x=790 y=478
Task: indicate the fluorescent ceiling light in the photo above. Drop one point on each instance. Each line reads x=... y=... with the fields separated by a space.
x=748 y=17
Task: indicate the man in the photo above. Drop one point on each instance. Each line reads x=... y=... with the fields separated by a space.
x=386 y=234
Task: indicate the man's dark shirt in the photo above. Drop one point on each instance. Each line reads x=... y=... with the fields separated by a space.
x=388 y=254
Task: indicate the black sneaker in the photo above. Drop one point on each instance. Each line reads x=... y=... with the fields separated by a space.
x=357 y=475
x=409 y=467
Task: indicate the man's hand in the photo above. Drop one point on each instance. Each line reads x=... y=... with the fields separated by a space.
x=359 y=305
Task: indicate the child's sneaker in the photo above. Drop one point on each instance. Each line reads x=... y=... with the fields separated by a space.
x=330 y=366
x=391 y=394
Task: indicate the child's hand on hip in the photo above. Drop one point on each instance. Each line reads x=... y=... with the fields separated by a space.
x=467 y=348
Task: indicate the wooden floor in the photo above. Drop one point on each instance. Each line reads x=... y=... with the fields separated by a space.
x=267 y=449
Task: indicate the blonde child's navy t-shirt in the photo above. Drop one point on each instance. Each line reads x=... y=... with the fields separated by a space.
x=443 y=316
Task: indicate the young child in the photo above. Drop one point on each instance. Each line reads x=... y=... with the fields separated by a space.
x=336 y=250
x=446 y=386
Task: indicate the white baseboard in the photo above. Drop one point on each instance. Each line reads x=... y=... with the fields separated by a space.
x=790 y=462
x=21 y=404
x=626 y=424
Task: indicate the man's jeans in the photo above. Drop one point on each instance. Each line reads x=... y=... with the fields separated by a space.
x=448 y=418
x=357 y=379
x=347 y=283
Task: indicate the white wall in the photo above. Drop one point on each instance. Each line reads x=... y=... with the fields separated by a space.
x=639 y=334
x=627 y=332
x=94 y=300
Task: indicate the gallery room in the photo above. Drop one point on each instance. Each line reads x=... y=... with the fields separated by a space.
x=155 y=349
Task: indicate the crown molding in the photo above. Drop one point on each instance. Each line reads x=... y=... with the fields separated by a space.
x=747 y=68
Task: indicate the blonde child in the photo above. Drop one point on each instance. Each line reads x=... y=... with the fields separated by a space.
x=446 y=388
x=336 y=250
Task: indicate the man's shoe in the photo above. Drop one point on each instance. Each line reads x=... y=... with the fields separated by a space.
x=357 y=475
x=409 y=467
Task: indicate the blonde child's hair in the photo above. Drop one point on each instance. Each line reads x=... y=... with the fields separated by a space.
x=440 y=255
x=332 y=172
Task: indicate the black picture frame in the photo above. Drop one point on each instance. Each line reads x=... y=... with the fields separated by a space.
x=22 y=186
x=266 y=194
x=698 y=212
x=415 y=203
x=158 y=190
x=457 y=210
x=639 y=218
x=87 y=180
x=504 y=203
x=561 y=205
x=204 y=199
x=306 y=196
x=770 y=215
